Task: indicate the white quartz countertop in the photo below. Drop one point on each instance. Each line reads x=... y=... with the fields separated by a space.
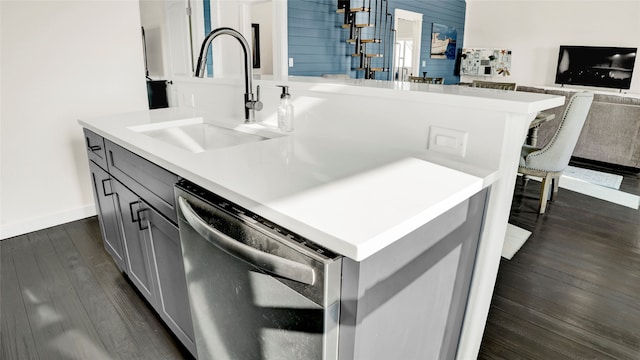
x=351 y=197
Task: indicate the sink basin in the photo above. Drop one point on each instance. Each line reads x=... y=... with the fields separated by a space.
x=196 y=136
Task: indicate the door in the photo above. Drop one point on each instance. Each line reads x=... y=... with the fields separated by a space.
x=138 y=250
x=408 y=27
x=105 y=207
x=173 y=300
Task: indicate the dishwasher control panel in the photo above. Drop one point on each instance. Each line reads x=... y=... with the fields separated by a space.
x=253 y=219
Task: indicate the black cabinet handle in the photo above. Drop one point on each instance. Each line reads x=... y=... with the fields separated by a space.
x=133 y=220
x=104 y=189
x=137 y=218
x=140 y=226
x=93 y=147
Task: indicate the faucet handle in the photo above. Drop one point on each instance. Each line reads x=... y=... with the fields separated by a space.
x=257 y=105
x=251 y=102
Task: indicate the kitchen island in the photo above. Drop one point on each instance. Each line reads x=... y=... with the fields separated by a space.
x=366 y=192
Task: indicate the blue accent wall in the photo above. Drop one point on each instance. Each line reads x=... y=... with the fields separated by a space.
x=317 y=40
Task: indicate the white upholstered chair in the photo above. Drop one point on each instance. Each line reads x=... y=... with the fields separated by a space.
x=549 y=161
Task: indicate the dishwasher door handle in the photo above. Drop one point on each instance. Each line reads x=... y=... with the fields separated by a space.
x=268 y=262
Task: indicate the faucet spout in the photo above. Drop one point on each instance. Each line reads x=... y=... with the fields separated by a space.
x=251 y=103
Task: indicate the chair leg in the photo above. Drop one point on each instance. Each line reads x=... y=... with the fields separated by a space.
x=556 y=182
x=544 y=193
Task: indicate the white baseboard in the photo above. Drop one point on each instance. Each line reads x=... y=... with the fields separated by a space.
x=43 y=222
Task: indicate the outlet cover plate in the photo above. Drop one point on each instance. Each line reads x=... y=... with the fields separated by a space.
x=448 y=141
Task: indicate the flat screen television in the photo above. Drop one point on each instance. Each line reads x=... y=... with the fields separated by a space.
x=599 y=66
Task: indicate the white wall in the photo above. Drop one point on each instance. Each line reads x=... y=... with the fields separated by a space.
x=152 y=19
x=61 y=60
x=228 y=56
x=262 y=14
x=535 y=29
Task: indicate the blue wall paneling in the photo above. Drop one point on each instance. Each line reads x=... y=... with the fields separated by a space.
x=317 y=40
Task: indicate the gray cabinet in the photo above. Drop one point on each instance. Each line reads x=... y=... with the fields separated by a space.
x=171 y=291
x=151 y=182
x=135 y=204
x=137 y=245
x=95 y=148
x=104 y=195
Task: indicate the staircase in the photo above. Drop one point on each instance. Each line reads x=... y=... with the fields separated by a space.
x=371 y=32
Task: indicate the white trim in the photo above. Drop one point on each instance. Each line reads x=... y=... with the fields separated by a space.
x=244 y=21
x=485 y=270
x=197 y=29
x=46 y=221
x=215 y=9
x=408 y=15
x=416 y=18
x=280 y=40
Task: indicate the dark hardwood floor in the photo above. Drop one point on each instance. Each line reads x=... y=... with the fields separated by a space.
x=571 y=292
x=62 y=297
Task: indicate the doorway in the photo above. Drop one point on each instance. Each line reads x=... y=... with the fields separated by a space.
x=408 y=29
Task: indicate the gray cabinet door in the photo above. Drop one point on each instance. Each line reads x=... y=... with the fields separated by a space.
x=137 y=245
x=95 y=148
x=105 y=206
x=151 y=182
x=141 y=235
x=173 y=300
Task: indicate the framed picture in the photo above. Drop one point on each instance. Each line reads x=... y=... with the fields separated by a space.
x=443 y=42
x=485 y=62
x=255 y=38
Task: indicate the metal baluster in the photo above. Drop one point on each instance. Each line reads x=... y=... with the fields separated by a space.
x=363 y=6
x=375 y=19
x=387 y=50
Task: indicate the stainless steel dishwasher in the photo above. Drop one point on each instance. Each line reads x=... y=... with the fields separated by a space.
x=256 y=290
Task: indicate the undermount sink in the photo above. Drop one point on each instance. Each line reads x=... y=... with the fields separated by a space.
x=196 y=136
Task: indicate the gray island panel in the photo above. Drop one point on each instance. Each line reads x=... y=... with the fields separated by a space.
x=408 y=300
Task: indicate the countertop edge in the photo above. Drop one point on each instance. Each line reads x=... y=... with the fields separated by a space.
x=357 y=251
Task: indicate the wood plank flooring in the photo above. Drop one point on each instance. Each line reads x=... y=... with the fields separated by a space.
x=62 y=297
x=571 y=292
x=573 y=289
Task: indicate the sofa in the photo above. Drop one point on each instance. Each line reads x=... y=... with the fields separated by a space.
x=611 y=133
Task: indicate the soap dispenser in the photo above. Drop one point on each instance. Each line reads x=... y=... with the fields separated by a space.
x=285 y=110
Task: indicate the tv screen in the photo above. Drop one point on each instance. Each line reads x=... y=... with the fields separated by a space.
x=609 y=67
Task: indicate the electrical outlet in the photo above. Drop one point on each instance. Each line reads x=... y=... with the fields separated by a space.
x=448 y=141
x=424 y=63
x=290 y=62
x=188 y=100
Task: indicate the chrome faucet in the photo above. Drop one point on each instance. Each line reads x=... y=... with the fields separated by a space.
x=251 y=105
